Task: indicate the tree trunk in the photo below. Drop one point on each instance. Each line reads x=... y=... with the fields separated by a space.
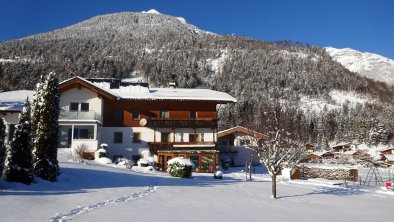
x=273 y=178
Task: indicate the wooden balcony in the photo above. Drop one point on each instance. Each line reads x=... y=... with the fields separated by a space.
x=182 y=123
x=173 y=146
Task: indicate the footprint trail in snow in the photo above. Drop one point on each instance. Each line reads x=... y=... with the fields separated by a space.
x=66 y=216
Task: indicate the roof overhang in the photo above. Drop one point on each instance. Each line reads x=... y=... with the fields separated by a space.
x=238 y=129
x=78 y=82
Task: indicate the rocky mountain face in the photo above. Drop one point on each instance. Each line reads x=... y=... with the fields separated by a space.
x=370 y=65
x=277 y=83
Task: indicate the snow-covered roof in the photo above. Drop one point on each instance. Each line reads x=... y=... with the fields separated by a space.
x=14 y=100
x=242 y=129
x=343 y=144
x=320 y=153
x=389 y=157
x=350 y=152
x=143 y=92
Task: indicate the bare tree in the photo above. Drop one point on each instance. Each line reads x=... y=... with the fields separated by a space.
x=277 y=154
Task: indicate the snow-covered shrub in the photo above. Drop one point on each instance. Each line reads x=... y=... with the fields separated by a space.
x=143 y=163
x=120 y=161
x=100 y=153
x=218 y=175
x=180 y=167
x=78 y=153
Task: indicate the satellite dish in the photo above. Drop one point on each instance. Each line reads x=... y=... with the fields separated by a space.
x=143 y=122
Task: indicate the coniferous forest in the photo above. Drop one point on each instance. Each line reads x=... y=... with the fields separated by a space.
x=268 y=78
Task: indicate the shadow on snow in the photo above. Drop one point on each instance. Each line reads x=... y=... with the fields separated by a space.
x=84 y=180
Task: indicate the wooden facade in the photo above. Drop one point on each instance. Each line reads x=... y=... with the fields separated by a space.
x=179 y=113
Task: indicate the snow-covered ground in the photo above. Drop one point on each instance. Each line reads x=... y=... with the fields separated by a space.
x=92 y=192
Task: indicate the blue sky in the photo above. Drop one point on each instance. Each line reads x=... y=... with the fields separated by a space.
x=365 y=25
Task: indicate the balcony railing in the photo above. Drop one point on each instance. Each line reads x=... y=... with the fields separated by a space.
x=155 y=146
x=182 y=123
x=79 y=115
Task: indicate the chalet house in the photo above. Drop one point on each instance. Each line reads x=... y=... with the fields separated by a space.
x=387 y=151
x=356 y=154
x=11 y=104
x=318 y=156
x=342 y=147
x=132 y=118
x=235 y=145
x=388 y=159
x=309 y=148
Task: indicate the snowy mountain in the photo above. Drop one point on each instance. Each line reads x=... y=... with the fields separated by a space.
x=368 y=64
x=317 y=94
x=127 y=25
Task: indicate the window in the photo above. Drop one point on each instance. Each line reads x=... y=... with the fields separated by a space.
x=194 y=137
x=136 y=137
x=244 y=142
x=118 y=114
x=193 y=114
x=164 y=114
x=136 y=115
x=165 y=137
x=74 y=106
x=83 y=132
x=118 y=137
x=84 y=106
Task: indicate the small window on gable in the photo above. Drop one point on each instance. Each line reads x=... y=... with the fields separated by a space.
x=136 y=115
x=118 y=137
x=118 y=114
x=164 y=114
x=85 y=107
x=137 y=137
x=74 y=106
x=193 y=114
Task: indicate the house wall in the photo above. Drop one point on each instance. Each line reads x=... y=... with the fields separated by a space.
x=82 y=95
x=9 y=118
x=127 y=148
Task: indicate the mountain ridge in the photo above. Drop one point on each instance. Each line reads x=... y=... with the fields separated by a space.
x=371 y=65
x=261 y=75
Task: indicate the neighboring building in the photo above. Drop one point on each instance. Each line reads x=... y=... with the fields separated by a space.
x=356 y=154
x=309 y=148
x=235 y=145
x=11 y=104
x=132 y=117
x=388 y=159
x=342 y=147
x=387 y=151
x=318 y=156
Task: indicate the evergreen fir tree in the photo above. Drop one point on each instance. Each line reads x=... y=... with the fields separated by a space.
x=19 y=160
x=36 y=108
x=2 y=145
x=46 y=126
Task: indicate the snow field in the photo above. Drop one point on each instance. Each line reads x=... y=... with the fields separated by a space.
x=92 y=192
